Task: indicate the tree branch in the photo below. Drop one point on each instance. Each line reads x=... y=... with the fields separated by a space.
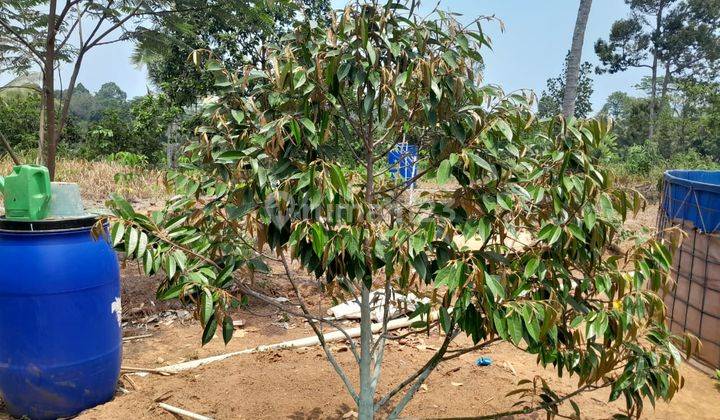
x=21 y=40
x=542 y=406
x=423 y=375
x=338 y=369
x=9 y=149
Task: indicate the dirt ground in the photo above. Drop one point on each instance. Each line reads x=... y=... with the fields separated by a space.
x=301 y=384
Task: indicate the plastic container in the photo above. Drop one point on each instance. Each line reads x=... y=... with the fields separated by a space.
x=60 y=318
x=693 y=196
x=65 y=201
x=403 y=161
x=691 y=203
x=26 y=192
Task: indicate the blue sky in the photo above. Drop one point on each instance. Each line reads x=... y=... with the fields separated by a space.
x=537 y=36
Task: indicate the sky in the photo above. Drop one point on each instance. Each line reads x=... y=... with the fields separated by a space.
x=537 y=36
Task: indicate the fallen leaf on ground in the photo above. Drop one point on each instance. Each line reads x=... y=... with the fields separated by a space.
x=456 y=383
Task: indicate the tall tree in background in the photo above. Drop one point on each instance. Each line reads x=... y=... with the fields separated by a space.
x=43 y=35
x=551 y=99
x=680 y=38
x=572 y=72
x=236 y=31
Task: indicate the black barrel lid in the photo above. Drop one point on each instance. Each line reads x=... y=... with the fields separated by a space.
x=47 y=225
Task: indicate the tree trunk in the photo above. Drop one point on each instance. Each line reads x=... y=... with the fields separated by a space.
x=366 y=409
x=573 y=66
x=50 y=149
x=666 y=83
x=653 y=80
x=41 y=131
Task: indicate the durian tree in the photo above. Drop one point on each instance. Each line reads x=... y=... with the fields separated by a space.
x=511 y=245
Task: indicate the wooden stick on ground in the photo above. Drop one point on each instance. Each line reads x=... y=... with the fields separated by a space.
x=181 y=412
x=136 y=337
x=300 y=342
x=141 y=369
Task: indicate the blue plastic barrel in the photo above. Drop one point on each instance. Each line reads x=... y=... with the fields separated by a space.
x=403 y=161
x=693 y=196
x=60 y=315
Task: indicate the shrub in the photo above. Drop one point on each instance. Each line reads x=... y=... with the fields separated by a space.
x=641 y=159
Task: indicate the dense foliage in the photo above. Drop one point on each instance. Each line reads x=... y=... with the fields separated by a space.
x=99 y=124
x=675 y=39
x=236 y=31
x=514 y=248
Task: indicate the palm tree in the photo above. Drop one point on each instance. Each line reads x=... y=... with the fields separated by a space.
x=573 y=69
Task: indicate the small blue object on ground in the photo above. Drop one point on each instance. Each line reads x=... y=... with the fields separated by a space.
x=484 y=361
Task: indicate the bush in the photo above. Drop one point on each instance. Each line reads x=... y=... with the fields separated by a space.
x=640 y=159
x=20 y=121
x=140 y=131
x=128 y=159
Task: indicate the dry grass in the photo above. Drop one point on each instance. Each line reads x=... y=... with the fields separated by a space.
x=97 y=180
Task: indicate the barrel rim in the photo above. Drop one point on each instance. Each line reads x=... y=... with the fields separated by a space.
x=674 y=177
x=45 y=226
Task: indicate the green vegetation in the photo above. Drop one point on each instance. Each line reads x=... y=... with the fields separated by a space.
x=258 y=179
x=99 y=124
x=287 y=112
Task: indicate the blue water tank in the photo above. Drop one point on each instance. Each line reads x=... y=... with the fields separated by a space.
x=60 y=318
x=693 y=196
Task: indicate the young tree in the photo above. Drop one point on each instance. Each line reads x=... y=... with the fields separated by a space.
x=551 y=100
x=572 y=72
x=515 y=250
x=681 y=37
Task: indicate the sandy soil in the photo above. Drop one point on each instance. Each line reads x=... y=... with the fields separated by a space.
x=300 y=384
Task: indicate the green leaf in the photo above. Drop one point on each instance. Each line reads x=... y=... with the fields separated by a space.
x=531 y=267
x=228 y=329
x=308 y=124
x=589 y=218
x=318 y=239
x=445 y=320
x=443 y=173
x=500 y=325
x=577 y=232
x=496 y=289
x=116 y=232
x=142 y=245
x=209 y=331
x=371 y=53
x=515 y=328
x=132 y=241
x=238 y=115
x=450 y=275
x=206 y=306
x=172 y=292
x=231 y=155
x=504 y=128
x=148 y=263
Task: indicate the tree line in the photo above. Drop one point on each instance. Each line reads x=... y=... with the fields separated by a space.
x=677 y=110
